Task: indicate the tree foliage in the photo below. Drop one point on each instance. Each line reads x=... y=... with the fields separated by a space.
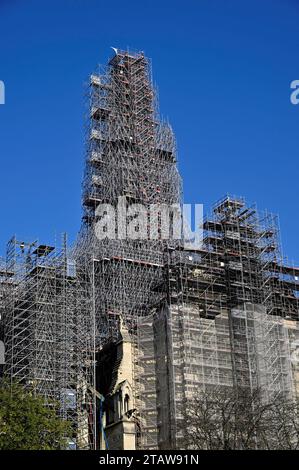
x=26 y=423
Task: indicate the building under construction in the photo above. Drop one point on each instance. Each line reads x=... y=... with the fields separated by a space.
x=128 y=325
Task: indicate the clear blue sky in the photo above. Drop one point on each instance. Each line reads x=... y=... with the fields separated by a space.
x=223 y=69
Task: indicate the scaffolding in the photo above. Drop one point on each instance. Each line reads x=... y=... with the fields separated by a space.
x=228 y=304
x=131 y=154
x=221 y=315
x=48 y=331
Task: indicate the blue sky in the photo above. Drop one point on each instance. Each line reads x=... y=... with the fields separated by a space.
x=223 y=70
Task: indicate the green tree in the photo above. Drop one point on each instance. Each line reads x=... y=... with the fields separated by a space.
x=26 y=423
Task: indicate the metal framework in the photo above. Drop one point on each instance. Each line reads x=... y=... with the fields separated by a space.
x=227 y=314
x=131 y=155
x=48 y=331
x=222 y=315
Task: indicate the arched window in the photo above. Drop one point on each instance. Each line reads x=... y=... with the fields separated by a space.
x=127 y=403
x=120 y=405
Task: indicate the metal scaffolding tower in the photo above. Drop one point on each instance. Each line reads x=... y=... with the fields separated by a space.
x=226 y=319
x=131 y=157
x=48 y=331
x=221 y=315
